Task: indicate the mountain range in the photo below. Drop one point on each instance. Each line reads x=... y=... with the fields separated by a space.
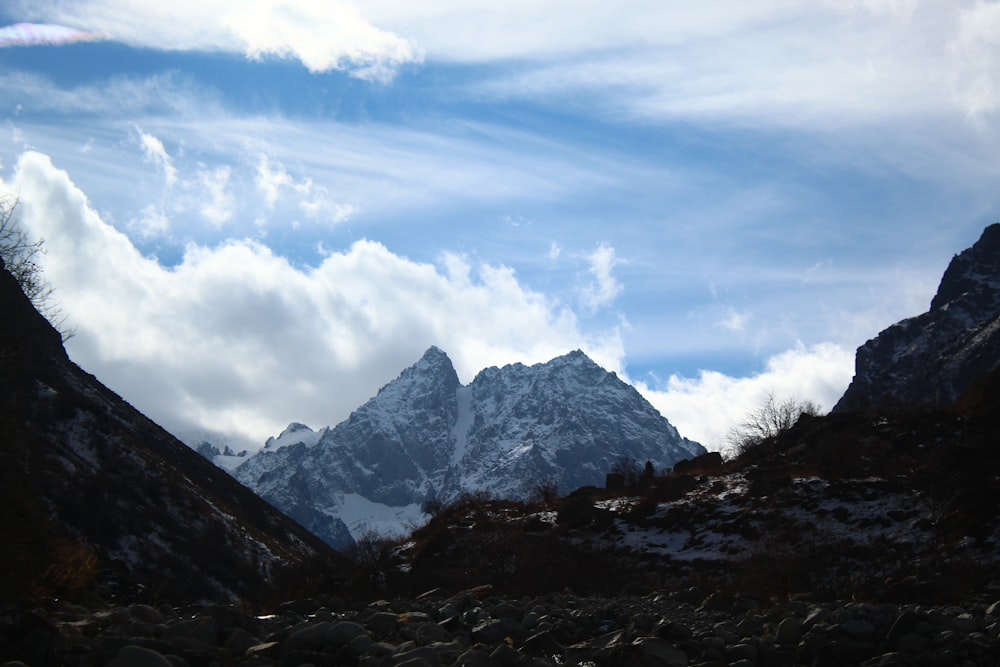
x=425 y=436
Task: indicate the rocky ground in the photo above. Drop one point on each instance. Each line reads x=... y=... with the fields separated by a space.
x=476 y=627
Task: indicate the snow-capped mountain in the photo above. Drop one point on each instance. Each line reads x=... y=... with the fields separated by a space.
x=425 y=435
x=931 y=359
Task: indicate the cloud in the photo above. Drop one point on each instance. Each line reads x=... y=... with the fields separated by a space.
x=235 y=340
x=151 y=223
x=975 y=50
x=706 y=407
x=270 y=181
x=218 y=204
x=324 y=36
x=42 y=34
x=154 y=152
x=603 y=288
x=734 y=320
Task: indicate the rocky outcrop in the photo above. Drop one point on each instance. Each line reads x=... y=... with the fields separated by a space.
x=95 y=496
x=931 y=359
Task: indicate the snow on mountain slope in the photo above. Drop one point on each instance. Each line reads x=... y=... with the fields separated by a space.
x=424 y=436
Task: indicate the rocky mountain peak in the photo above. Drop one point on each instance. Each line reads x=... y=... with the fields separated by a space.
x=424 y=435
x=931 y=359
x=974 y=274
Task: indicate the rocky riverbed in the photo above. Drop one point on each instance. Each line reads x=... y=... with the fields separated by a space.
x=477 y=628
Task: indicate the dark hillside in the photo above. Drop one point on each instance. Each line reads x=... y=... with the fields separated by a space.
x=93 y=494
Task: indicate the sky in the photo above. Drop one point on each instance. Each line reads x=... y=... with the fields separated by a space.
x=261 y=211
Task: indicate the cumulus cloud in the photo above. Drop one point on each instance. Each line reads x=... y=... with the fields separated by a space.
x=322 y=35
x=603 y=288
x=706 y=407
x=234 y=340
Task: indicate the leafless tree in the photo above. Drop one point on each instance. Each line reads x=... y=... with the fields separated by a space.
x=19 y=254
x=771 y=417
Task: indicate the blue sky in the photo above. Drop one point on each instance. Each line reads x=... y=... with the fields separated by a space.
x=259 y=212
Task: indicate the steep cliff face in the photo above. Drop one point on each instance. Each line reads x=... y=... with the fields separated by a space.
x=426 y=436
x=91 y=491
x=930 y=359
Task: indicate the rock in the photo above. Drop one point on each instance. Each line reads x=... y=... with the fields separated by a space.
x=742 y=652
x=903 y=624
x=858 y=629
x=146 y=614
x=913 y=643
x=656 y=652
x=789 y=631
x=382 y=624
x=542 y=644
x=238 y=641
x=505 y=656
x=204 y=630
x=136 y=656
x=495 y=631
x=473 y=658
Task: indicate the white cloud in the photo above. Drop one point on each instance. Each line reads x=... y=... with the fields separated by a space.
x=603 y=287
x=152 y=223
x=271 y=180
x=554 y=251
x=976 y=56
x=155 y=152
x=705 y=408
x=324 y=36
x=236 y=340
x=218 y=204
x=734 y=320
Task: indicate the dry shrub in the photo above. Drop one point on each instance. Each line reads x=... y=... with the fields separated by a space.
x=73 y=570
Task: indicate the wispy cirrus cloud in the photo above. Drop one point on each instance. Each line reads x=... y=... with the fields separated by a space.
x=43 y=34
x=323 y=36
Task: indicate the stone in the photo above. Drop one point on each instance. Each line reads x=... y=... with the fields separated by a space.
x=789 y=631
x=542 y=644
x=858 y=629
x=204 y=630
x=146 y=614
x=656 y=652
x=432 y=632
x=382 y=624
x=136 y=656
x=238 y=641
x=505 y=656
x=473 y=658
x=496 y=630
x=742 y=652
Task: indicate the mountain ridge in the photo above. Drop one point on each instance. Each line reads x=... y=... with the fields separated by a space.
x=94 y=494
x=426 y=436
x=929 y=360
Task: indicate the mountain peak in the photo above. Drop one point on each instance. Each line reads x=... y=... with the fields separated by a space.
x=972 y=272
x=931 y=359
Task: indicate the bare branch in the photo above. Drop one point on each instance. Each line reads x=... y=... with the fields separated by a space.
x=20 y=255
